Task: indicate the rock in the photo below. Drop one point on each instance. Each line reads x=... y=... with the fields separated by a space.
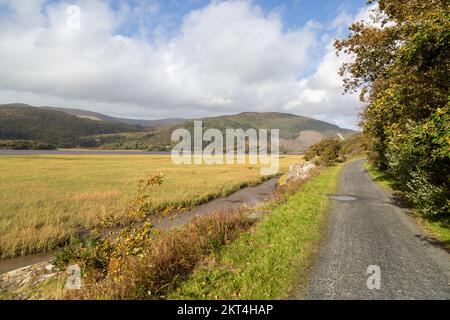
x=27 y=276
x=49 y=267
x=299 y=171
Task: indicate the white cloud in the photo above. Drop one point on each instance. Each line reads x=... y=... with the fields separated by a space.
x=228 y=57
x=320 y=95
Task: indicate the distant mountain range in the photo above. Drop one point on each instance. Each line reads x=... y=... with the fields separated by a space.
x=102 y=117
x=80 y=128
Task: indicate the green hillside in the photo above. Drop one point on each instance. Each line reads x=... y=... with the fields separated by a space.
x=297 y=133
x=103 y=117
x=289 y=124
x=80 y=128
x=23 y=122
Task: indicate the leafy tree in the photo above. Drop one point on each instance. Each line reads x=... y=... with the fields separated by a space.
x=400 y=66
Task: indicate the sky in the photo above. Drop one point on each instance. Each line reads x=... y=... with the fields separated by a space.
x=171 y=58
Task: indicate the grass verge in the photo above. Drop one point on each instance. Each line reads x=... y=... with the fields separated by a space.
x=382 y=178
x=438 y=228
x=273 y=258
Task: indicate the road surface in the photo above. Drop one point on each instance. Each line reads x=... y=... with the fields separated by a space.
x=366 y=228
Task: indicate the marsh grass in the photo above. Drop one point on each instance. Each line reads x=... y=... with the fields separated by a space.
x=46 y=198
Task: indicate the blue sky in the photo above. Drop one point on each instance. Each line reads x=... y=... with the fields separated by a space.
x=193 y=58
x=295 y=13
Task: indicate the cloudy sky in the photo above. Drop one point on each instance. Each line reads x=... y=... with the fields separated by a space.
x=191 y=58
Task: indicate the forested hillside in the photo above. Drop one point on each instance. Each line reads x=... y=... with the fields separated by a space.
x=30 y=123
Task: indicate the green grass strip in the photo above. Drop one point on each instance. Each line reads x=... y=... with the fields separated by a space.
x=273 y=259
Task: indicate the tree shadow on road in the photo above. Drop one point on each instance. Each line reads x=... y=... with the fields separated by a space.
x=398 y=199
x=445 y=245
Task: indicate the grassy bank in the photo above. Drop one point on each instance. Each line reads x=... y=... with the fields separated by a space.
x=165 y=259
x=440 y=229
x=218 y=256
x=265 y=262
x=47 y=198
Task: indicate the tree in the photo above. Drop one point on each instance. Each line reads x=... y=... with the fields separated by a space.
x=400 y=66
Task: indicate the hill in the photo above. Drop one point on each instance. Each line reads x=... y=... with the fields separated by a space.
x=23 y=122
x=290 y=125
x=74 y=127
x=297 y=133
x=103 y=117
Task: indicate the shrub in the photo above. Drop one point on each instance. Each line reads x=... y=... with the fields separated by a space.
x=91 y=254
x=418 y=160
x=44 y=146
x=166 y=259
x=25 y=145
x=326 y=152
x=354 y=145
x=430 y=199
x=95 y=254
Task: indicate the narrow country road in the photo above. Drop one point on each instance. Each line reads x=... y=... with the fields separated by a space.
x=367 y=229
